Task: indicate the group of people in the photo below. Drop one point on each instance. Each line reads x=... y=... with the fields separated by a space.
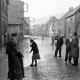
x=15 y=61
x=72 y=48
x=15 y=58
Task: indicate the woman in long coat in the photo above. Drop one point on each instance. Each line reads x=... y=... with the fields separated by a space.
x=35 y=50
x=68 y=49
x=14 y=71
x=75 y=49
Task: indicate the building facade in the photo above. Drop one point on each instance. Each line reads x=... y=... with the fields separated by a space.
x=50 y=26
x=15 y=17
x=26 y=26
x=3 y=20
x=71 y=21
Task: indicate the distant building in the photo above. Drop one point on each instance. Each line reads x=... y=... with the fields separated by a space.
x=50 y=26
x=35 y=30
x=59 y=27
x=26 y=26
x=45 y=29
x=71 y=21
x=3 y=20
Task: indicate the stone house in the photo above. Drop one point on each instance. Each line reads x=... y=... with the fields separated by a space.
x=71 y=21
x=50 y=25
x=15 y=18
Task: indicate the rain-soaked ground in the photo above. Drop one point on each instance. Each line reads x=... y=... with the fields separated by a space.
x=49 y=67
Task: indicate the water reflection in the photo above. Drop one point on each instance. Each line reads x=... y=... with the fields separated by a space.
x=44 y=49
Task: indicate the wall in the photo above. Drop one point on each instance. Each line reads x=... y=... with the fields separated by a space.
x=3 y=20
x=15 y=15
x=14 y=12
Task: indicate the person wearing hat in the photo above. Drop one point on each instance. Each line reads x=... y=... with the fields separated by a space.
x=75 y=49
x=35 y=50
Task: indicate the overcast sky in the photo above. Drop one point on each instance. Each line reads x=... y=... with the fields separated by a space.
x=40 y=8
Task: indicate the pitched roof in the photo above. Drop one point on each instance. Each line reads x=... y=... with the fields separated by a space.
x=74 y=11
x=70 y=13
x=51 y=18
x=27 y=20
x=64 y=16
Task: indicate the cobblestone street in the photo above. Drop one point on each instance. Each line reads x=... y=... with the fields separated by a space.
x=53 y=26
x=49 y=67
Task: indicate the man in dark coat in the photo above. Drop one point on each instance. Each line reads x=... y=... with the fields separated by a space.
x=14 y=71
x=35 y=50
x=75 y=49
x=68 y=49
x=59 y=45
x=8 y=52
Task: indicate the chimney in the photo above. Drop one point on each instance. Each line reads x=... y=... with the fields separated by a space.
x=71 y=8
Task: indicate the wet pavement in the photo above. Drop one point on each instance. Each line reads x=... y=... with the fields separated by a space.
x=3 y=64
x=49 y=67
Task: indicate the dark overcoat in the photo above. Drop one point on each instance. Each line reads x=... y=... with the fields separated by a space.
x=75 y=47
x=60 y=42
x=35 y=51
x=14 y=70
x=34 y=48
x=68 y=44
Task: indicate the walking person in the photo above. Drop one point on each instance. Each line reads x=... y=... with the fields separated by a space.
x=58 y=46
x=75 y=49
x=68 y=49
x=35 y=50
x=14 y=65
